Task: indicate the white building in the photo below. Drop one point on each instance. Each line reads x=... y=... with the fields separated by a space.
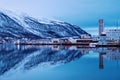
x=55 y=40
x=95 y=38
x=85 y=36
x=113 y=34
x=59 y=40
x=102 y=39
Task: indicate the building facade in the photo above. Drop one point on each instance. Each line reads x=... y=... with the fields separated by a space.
x=113 y=34
x=102 y=39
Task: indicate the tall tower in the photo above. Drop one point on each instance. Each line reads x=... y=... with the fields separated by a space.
x=100 y=26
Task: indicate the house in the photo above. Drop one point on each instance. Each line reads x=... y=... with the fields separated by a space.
x=55 y=41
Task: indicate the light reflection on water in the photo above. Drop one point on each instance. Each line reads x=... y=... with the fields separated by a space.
x=58 y=63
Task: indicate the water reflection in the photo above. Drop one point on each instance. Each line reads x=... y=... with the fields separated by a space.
x=31 y=56
x=111 y=53
x=13 y=56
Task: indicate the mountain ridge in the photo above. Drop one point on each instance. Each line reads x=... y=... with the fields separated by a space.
x=12 y=25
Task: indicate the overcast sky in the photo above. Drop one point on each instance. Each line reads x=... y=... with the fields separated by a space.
x=84 y=13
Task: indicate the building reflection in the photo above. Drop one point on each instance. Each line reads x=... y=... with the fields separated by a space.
x=83 y=50
x=101 y=60
x=110 y=53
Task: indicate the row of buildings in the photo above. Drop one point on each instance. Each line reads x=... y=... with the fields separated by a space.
x=105 y=37
x=108 y=37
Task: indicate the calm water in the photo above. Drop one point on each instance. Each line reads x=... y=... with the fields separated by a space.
x=58 y=63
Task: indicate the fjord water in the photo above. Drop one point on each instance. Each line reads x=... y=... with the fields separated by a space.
x=28 y=62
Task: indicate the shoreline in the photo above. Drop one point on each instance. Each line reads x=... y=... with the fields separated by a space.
x=64 y=44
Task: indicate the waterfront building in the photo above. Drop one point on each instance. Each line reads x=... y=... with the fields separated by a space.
x=95 y=38
x=85 y=36
x=113 y=34
x=102 y=39
x=60 y=41
x=101 y=29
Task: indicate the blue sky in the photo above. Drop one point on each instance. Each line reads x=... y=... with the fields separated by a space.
x=84 y=13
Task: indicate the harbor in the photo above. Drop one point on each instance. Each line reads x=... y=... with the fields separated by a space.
x=108 y=38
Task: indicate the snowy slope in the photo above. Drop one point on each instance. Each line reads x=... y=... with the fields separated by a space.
x=12 y=25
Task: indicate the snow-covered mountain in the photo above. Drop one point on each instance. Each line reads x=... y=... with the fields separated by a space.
x=12 y=25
